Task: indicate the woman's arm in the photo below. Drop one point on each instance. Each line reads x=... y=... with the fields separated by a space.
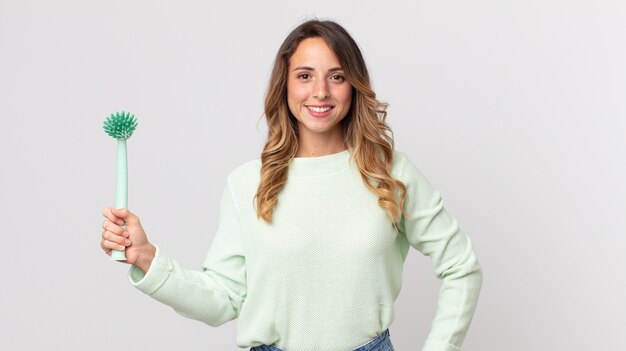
x=213 y=295
x=435 y=233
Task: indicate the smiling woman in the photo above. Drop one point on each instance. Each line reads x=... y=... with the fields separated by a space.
x=313 y=235
x=318 y=94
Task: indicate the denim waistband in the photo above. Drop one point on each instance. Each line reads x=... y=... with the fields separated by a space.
x=372 y=345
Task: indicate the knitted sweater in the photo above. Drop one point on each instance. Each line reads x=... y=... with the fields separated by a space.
x=325 y=274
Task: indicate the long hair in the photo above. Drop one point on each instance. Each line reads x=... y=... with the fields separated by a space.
x=366 y=134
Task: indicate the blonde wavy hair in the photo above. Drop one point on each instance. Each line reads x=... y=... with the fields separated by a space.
x=366 y=134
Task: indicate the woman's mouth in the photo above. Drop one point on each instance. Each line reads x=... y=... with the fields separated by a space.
x=319 y=111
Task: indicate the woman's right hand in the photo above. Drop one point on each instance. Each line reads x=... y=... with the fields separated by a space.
x=139 y=251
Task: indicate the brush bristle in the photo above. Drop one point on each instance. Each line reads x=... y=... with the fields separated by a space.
x=120 y=126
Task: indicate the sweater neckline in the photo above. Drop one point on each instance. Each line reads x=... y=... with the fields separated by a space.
x=319 y=165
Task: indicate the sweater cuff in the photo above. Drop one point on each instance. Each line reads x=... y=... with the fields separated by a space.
x=439 y=345
x=150 y=281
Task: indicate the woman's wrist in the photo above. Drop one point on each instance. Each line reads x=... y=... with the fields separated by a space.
x=145 y=260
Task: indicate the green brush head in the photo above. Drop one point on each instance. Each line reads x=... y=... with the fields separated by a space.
x=120 y=126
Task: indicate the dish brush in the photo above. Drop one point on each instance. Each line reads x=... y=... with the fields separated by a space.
x=121 y=126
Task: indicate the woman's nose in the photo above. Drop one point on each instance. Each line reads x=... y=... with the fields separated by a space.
x=321 y=89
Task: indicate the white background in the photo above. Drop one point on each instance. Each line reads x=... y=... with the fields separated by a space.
x=514 y=110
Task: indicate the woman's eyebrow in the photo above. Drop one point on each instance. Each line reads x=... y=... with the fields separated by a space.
x=307 y=68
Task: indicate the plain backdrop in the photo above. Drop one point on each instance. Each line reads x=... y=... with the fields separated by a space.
x=514 y=110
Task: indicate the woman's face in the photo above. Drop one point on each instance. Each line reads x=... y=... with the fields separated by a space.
x=318 y=93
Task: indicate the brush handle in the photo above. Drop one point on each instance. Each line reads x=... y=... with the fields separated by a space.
x=121 y=190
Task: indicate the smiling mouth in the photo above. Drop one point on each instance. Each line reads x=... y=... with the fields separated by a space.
x=320 y=109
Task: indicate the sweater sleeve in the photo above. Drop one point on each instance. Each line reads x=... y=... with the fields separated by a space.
x=434 y=232
x=213 y=295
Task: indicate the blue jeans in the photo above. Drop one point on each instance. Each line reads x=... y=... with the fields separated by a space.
x=380 y=343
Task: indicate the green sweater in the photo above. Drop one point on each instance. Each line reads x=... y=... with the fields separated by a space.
x=324 y=276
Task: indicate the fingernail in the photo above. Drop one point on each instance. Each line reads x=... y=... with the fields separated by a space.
x=120 y=222
x=127 y=242
x=122 y=248
x=126 y=234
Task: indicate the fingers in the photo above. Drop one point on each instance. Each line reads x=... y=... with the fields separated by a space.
x=114 y=236
x=114 y=228
x=108 y=213
x=119 y=239
x=112 y=241
x=106 y=250
x=125 y=214
x=107 y=246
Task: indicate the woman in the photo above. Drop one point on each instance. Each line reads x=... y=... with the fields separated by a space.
x=312 y=236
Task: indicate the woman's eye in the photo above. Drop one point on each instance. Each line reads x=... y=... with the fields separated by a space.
x=303 y=76
x=339 y=77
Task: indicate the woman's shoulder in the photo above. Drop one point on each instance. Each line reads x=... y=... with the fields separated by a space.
x=246 y=170
x=405 y=169
x=243 y=179
x=398 y=162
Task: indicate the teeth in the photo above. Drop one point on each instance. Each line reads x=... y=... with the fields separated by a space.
x=319 y=109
